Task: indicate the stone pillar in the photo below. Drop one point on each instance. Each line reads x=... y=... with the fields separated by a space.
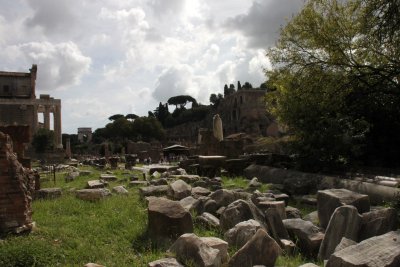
x=46 y=117
x=57 y=127
x=217 y=128
x=68 y=148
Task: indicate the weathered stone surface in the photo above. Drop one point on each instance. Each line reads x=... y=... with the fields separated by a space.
x=190 y=179
x=70 y=176
x=161 y=181
x=300 y=185
x=275 y=225
x=329 y=200
x=92 y=184
x=378 y=222
x=179 y=190
x=48 y=193
x=120 y=189
x=108 y=177
x=90 y=264
x=200 y=191
x=219 y=244
x=378 y=251
x=92 y=194
x=192 y=204
x=345 y=222
x=138 y=183
x=242 y=232
x=208 y=220
x=223 y=197
x=240 y=211
x=16 y=190
x=344 y=243
x=154 y=190
x=166 y=262
x=312 y=217
x=282 y=197
x=167 y=219
x=261 y=249
x=254 y=183
x=189 y=247
x=309 y=236
x=210 y=206
x=278 y=205
x=292 y=213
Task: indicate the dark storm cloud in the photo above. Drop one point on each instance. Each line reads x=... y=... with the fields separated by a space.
x=52 y=16
x=262 y=22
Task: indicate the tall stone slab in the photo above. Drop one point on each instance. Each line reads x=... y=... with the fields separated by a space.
x=345 y=222
x=329 y=200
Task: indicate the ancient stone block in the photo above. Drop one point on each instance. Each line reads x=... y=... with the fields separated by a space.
x=345 y=222
x=378 y=251
x=261 y=249
x=167 y=219
x=329 y=200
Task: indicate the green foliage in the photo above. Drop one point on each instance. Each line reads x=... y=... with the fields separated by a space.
x=115 y=117
x=43 y=140
x=131 y=116
x=216 y=99
x=336 y=84
x=122 y=129
x=181 y=100
x=28 y=251
x=229 y=90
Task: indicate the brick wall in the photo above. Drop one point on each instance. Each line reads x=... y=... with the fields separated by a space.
x=16 y=188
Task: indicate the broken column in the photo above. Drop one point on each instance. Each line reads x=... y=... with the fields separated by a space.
x=16 y=188
x=68 y=151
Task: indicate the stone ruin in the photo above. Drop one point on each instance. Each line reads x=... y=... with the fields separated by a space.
x=17 y=186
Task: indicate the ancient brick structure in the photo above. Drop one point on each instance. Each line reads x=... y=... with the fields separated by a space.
x=16 y=188
x=19 y=105
x=244 y=111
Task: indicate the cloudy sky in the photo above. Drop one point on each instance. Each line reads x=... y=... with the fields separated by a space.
x=107 y=57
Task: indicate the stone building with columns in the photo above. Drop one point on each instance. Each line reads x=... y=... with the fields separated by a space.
x=19 y=105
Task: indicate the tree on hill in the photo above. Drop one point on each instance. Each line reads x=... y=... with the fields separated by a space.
x=229 y=90
x=115 y=117
x=336 y=75
x=216 y=99
x=181 y=101
x=247 y=85
x=131 y=116
x=239 y=86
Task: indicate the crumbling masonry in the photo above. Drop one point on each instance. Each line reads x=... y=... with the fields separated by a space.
x=16 y=189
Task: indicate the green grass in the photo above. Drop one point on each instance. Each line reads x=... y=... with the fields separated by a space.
x=111 y=232
x=240 y=182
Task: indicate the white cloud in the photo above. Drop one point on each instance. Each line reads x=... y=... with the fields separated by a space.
x=125 y=56
x=60 y=65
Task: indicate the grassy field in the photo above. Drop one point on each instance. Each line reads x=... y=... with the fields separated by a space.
x=111 y=232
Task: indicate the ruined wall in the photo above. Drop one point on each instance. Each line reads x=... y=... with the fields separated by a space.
x=16 y=188
x=244 y=111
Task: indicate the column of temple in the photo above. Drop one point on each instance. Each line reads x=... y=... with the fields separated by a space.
x=57 y=126
x=46 y=117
